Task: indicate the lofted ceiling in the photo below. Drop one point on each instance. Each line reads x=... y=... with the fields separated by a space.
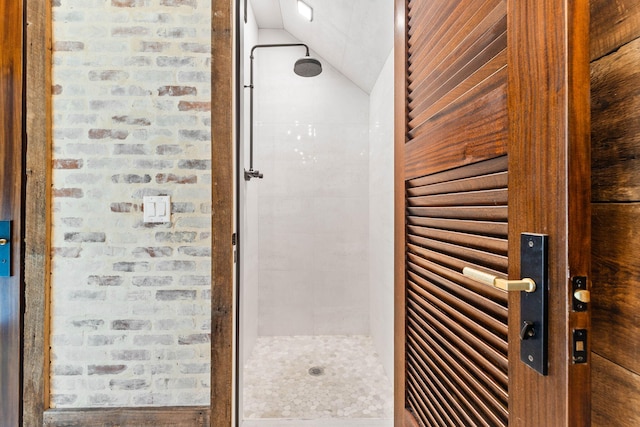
x=354 y=36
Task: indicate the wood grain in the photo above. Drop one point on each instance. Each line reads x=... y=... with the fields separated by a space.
x=11 y=152
x=138 y=417
x=399 y=135
x=615 y=133
x=613 y=24
x=616 y=285
x=617 y=400
x=549 y=189
x=37 y=211
x=222 y=267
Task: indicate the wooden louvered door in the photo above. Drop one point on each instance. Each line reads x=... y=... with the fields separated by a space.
x=492 y=140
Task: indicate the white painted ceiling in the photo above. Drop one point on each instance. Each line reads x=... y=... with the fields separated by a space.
x=354 y=36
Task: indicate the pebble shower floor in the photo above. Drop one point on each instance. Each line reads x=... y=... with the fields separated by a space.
x=316 y=377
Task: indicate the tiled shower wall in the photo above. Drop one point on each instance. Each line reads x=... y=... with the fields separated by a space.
x=312 y=144
x=130 y=301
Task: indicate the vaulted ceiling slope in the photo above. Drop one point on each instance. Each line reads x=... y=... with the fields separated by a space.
x=354 y=36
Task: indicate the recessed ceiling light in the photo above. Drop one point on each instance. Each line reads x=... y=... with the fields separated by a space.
x=305 y=10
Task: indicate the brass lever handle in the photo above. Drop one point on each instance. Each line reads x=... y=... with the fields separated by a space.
x=3 y=242
x=527 y=285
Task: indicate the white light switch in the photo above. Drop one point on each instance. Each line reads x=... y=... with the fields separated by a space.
x=157 y=209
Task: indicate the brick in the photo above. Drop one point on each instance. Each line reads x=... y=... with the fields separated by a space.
x=195 y=251
x=101 y=399
x=195 y=47
x=130 y=325
x=131 y=266
x=130 y=355
x=174 y=61
x=176 y=383
x=67 y=370
x=195 y=164
x=145 y=340
x=177 y=91
x=175 y=237
x=130 y=179
x=194 y=368
x=176 y=33
x=67 y=164
x=174 y=324
x=163 y=178
x=87 y=295
x=152 y=399
x=74 y=193
x=153 y=46
x=106 y=369
x=107 y=105
x=129 y=31
x=137 y=61
x=152 y=252
x=108 y=134
x=193 y=76
x=153 y=164
x=67 y=252
x=61 y=133
x=120 y=149
x=93 y=324
x=108 y=75
x=178 y=3
x=195 y=135
x=60 y=399
x=182 y=207
x=68 y=46
x=124 y=207
x=176 y=266
x=134 y=121
x=173 y=295
x=195 y=281
x=191 y=222
x=129 y=3
x=194 y=339
x=153 y=18
x=105 y=280
x=101 y=340
x=152 y=281
x=72 y=221
x=134 y=384
x=130 y=91
x=85 y=237
x=168 y=149
x=194 y=106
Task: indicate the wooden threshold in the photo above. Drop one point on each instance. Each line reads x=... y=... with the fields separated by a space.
x=197 y=416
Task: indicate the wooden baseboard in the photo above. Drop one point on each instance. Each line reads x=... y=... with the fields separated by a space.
x=197 y=416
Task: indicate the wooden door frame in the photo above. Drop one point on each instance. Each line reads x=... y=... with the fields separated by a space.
x=11 y=183
x=37 y=217
x=550 y=106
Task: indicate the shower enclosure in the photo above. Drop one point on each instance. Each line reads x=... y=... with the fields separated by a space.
x=315 y=337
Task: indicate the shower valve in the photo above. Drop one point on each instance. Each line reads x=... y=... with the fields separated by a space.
x=248 y=174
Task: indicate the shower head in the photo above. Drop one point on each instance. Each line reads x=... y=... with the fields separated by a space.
x=307 y=67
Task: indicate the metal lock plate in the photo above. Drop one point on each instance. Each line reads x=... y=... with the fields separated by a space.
x=533 y=305
x=5 y=248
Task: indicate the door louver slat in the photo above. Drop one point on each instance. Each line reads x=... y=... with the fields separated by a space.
x=456 y=327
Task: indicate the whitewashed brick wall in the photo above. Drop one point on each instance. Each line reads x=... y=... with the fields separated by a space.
x=130 y=301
